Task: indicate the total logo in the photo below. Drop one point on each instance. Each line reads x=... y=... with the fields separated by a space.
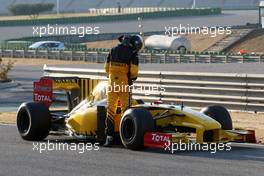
x=160 y=138
x=42 y=98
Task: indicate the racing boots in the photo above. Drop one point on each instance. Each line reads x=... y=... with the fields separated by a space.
x=108 y=141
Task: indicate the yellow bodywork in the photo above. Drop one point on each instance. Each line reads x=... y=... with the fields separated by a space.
x=83 y=121
x=185 y=117
x=65 y=84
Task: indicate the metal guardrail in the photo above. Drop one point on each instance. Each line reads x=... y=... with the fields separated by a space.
x=128 y=10
x=243 y=92
x=148 y=57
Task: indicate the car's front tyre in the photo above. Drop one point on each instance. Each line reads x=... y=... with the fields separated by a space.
x=134 y=124
x=220 y=114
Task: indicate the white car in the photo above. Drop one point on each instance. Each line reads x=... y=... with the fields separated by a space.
x=47 y=45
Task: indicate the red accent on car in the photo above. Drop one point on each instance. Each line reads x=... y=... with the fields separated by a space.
x=156 y=140
x=42 y=91
x=119 y=103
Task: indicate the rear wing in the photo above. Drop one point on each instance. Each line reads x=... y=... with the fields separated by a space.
x=43 y=90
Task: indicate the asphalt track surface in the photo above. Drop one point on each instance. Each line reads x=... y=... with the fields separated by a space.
x=19 y=159
x=227 y=18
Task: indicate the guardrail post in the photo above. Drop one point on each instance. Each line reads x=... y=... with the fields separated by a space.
x=160 y=84
x=151 y=61
x=246 y=93
x=180 y=58
x=210 y=58
x=23 y=53
x=71 y=55
x=96 y=57
x=85 y=53
x=260 y=58
x=194 y=58
x=145 y=59
x=226 y=58
x=47 y=53
x=59 y=55
x=174 y=59
x=35 y=53
x=12 y=53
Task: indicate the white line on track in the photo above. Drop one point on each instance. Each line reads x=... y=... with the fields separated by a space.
x=3 y=124
x=249 y=145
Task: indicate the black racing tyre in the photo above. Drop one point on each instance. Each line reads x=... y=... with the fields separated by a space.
x=134 y=124
x=220 y=114
x=33 y=121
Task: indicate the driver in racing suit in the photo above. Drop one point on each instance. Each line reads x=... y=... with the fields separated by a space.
x=121 y=68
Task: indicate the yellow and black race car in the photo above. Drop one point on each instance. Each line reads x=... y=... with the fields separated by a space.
x=143 y=125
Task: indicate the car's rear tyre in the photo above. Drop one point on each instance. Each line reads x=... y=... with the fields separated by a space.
x=33 y=121
x=134 y=124
x=220 y=114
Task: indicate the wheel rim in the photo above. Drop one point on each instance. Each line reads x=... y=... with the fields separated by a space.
x=128 y=129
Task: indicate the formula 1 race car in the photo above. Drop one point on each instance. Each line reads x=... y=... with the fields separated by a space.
x=142 y=125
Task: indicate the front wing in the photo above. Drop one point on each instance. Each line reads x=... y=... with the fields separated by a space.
x=161 y=140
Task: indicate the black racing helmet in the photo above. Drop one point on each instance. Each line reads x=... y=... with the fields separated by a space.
x=136 y=42
x=133 y=41
x=125 y=40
